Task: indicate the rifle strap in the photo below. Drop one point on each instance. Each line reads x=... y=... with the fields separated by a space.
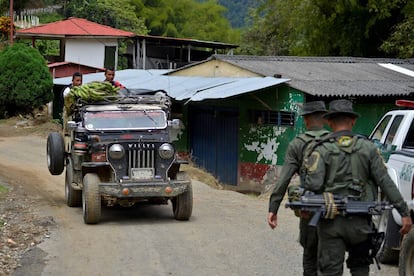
x=331 y=208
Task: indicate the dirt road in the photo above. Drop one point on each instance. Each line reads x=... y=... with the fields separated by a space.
x=227 y=234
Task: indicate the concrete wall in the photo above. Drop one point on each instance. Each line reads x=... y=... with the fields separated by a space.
x=89 y=52
x=215 y=68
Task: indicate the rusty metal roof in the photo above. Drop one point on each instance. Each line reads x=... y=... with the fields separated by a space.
x=334 y=76
x=181 y=87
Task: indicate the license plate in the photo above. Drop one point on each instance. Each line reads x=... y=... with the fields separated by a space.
x=142 y=173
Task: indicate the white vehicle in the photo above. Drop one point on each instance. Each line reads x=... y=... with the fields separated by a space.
x=395 y=136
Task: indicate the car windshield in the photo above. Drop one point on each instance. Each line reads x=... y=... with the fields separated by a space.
x=120 y=120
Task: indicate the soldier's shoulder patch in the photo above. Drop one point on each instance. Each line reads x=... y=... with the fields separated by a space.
x=312 y=160
x=345 y=141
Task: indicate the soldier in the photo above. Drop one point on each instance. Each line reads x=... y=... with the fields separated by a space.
x=351 y=166
x=312 y=114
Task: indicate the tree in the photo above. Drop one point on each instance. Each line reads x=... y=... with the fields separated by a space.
x=117 y=14
x=401 y=41
x=25 y=81
x=187 y=19
x=323 y=27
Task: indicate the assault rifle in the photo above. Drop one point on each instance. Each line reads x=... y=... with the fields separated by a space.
x=328 y=206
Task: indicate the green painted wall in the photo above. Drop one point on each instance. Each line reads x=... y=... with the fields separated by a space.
x=263 y=144
x=370 y=114
x=267 y=144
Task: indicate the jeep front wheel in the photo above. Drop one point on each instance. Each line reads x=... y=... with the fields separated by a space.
x=55 y=153
x=183 y=203
x=406 y=263
x=73 y=197
x=91 y=199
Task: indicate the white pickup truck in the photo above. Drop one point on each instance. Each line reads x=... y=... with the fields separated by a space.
x=395 y=136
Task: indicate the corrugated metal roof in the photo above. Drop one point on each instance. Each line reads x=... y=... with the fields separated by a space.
x=333 y=76
x=181 y=87
x=186 y=41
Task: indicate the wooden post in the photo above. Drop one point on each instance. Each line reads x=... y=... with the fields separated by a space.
x=11 y=22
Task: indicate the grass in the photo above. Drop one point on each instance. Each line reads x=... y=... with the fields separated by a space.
x=3 y=191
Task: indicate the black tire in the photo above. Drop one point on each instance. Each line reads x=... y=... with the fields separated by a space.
x=73 y=197
x=387 y=254
x=55 y=153
x=91 y=199
x=406 y=262
x=183 y=203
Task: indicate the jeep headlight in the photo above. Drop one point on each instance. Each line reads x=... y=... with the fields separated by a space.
x=116 y=151
x=166 y=151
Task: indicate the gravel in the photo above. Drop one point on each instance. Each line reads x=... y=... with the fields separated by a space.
x=21 y=228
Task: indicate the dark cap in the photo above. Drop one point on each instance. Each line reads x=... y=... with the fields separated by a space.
x=340 y=107
x=313 y=107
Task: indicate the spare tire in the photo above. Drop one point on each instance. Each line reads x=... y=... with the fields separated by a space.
x=55 y=153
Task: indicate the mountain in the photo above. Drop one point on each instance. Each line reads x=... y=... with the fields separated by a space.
x=237 y=11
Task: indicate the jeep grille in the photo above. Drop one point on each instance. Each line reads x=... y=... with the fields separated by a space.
x=141 y=155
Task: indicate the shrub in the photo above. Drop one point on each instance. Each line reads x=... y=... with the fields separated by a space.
x=25 y=81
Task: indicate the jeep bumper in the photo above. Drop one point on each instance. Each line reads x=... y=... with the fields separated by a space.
x=144 y=189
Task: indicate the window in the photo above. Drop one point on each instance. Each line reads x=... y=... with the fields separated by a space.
x=393 y=129
x=409 y=139
x=268 y=117
x=377 y=135
x=109 y=61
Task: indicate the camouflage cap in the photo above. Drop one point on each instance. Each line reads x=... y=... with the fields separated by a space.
x=313 y=107
x=340 y=107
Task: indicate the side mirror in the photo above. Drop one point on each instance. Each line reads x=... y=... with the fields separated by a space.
x=71 y=125
x=175 y=123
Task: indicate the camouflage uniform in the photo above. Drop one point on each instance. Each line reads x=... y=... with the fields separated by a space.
x=292 y=164
x=348 y=165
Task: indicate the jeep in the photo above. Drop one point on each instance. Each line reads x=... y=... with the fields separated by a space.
x=119 y=152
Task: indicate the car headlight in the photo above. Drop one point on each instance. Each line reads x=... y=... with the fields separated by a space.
x=116 y=151
x=166 y=151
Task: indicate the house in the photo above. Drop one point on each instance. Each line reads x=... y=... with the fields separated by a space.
x=81 y=41
x=159 y=52
x=239 y=138
x=67 y=68
x=97 y=46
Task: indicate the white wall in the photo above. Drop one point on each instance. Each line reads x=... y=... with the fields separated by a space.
x=88 y=51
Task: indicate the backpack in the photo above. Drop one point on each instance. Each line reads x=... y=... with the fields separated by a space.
x=351 y=144
x=310 y=139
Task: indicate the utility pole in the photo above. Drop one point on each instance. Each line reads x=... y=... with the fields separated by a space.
x=11 y=22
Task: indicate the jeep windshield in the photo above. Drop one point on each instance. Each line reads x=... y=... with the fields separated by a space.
x=128 y=119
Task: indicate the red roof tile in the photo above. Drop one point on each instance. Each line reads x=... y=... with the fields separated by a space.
x=74 y=27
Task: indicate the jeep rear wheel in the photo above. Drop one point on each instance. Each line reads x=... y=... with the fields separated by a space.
x=183 y=203
x=73 y=197
x=387 y=254
x=91 y=199
x=406 y=263
x=55 y=153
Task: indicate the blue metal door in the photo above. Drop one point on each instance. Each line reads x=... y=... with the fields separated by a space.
x=214 y=141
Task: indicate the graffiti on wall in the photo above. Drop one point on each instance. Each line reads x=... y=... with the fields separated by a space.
x=264 y=143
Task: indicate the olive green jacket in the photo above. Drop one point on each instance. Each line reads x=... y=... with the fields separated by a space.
x=292 y=164
x=351 y=166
